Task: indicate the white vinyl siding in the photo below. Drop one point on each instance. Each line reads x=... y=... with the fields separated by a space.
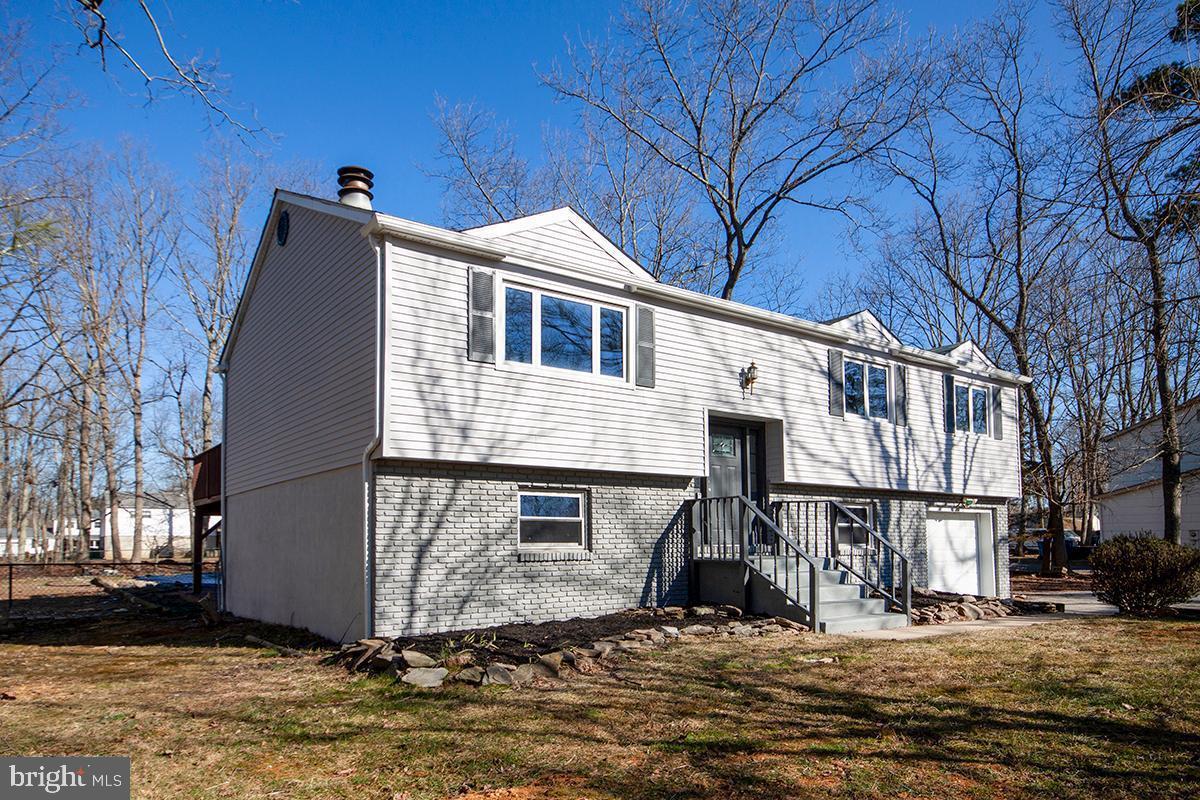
x=565 y=242
x=300 y=384
x=442 y=407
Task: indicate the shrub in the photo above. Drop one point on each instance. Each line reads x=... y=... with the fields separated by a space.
x=1143 y=576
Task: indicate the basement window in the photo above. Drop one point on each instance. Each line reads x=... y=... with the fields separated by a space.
x=552 y=520
x=849 y=532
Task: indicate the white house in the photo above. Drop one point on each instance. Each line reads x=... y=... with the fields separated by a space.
x=1133 y=503
x=430 y=430
x=166 y=526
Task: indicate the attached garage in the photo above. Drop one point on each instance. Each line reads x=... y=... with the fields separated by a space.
x=961 y=552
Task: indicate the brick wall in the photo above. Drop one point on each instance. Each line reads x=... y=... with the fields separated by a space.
x=446 y=547
x=901 y=517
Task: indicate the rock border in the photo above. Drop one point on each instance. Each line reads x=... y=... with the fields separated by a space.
x=940 y=608
x=471 y=665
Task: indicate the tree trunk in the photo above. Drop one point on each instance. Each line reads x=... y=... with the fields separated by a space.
x=108 y=437
x=86 y=508
x=1172 y=473
x=139 y=478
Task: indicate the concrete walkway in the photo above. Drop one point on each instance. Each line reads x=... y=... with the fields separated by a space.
x=1078 y=605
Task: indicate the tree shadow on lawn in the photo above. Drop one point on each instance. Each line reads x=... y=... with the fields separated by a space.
x=697 y=729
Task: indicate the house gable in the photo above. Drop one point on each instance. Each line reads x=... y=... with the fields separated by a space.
x=968 y=355
x=865 y=325
x=564 y=235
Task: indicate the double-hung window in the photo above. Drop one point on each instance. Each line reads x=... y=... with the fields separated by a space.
x=552 y=330
x=552 y=520
x=866 y=388
x=970 y=409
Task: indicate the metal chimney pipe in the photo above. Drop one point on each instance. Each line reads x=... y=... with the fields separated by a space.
x=355 y=183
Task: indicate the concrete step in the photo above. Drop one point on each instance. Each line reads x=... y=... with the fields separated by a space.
x=857 y=607
x=864 y=622
x=800 y=577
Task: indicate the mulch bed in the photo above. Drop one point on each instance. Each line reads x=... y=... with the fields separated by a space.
x=1025 y=583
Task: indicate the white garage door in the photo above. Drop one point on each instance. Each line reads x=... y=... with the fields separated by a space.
x=960 y=557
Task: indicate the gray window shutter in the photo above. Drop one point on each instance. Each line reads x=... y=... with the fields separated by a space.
x=837 y=386
x=997 y=412
x=481 y=323
x=645 y=347
x=948 y=384
x=900 y=391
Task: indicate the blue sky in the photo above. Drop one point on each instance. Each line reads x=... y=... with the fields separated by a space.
x=354 y=82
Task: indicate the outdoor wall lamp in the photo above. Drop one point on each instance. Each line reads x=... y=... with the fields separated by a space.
x=749 y=375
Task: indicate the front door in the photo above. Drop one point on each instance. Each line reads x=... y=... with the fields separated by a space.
x=735 y=461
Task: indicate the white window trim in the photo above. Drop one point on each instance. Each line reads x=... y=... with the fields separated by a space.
x=866 y=363
x=581 y=495
x=987 y=414
x=536 y=365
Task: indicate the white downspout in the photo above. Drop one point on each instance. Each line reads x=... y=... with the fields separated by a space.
x=376 y=440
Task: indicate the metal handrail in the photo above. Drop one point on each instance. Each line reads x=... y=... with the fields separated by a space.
x=759 y=538
x=895 y=595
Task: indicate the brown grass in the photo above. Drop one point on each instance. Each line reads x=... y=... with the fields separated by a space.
x=1102 y=708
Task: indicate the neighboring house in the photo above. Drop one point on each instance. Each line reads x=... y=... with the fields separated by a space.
x=1133 y=503
x=431 y=430
x=166 y=526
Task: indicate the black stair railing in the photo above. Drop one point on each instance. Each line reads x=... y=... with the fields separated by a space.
x=862 y=552
x=735 y=529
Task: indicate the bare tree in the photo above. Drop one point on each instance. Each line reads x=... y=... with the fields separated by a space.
x=991 y=231
x=193 y=76
x=146 y=236
x=600 y=171
x=754 y=103
x=1142 y=90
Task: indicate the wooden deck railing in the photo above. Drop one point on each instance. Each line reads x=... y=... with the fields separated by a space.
x=206 y=476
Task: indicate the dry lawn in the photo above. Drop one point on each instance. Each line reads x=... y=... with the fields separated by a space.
x=1092 y=709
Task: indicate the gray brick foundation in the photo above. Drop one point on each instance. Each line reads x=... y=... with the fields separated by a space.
x=446 y=554
x=446 y=547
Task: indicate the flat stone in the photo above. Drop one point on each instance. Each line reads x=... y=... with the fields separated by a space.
x=425 y=677
x=636 y=636
x=632 y=645
x=524 y=675
x=505 y=665
x=697 y=630
x=730 y=611
x=497 y=674
x=417 y=659
x=702 y=611
x=381 y=662
x=674 y=612
x=771 y=628
x=586 y=652
x=966 y=598
x=790 y=623
x=669 y=631
x=472 y=675
x=552 y=662
x=743 y=630
x=604 y=647
x=972 y=611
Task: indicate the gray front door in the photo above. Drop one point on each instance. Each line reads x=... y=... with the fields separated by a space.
x=726 y=448
x=735 y=461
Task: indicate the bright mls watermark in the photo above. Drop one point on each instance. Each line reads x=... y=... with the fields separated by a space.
x=82 y=777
